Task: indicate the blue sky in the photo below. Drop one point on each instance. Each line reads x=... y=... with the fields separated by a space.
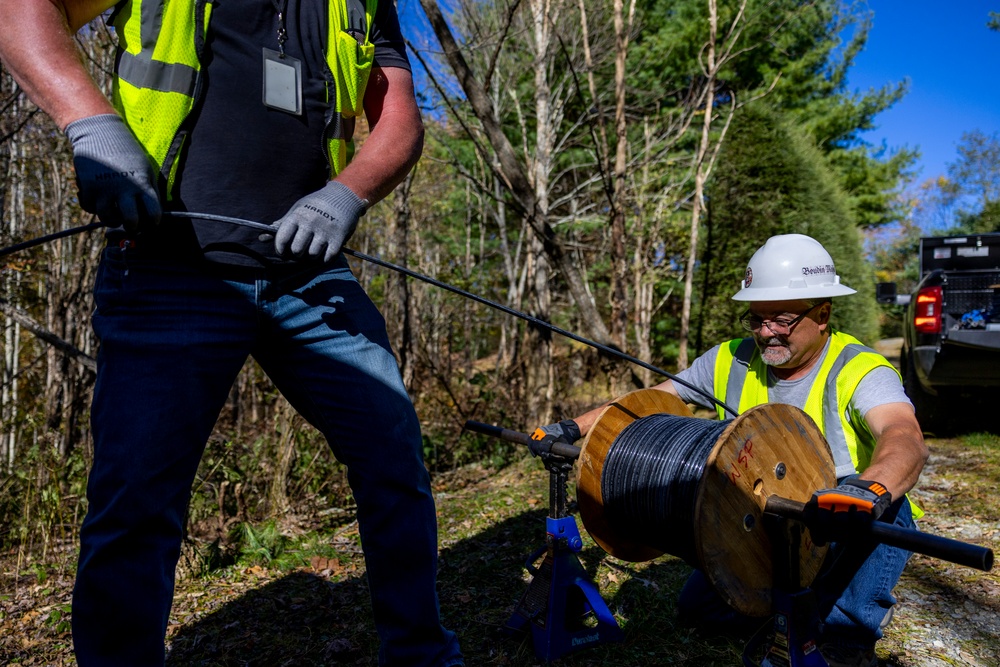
x=952 y=61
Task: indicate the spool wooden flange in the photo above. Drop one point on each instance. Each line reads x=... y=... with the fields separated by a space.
x=769 y=450
x=616 y=415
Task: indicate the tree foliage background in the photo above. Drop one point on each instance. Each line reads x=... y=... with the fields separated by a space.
x=585 y=160
x=771 y=180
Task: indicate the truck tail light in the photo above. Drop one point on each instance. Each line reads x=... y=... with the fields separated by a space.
x=927 y=315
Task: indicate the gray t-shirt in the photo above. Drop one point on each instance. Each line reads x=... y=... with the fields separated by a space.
x=880 y=386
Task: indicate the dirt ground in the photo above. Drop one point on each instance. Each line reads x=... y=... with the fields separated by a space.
x=890 y=349
x=950 y=614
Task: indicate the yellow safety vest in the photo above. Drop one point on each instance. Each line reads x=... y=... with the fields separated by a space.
x=741 y=380
x=158 y=75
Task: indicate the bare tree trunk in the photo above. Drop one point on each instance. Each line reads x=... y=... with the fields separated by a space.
x=588 y=59
x=507 y=349
x=287 y=423
x=539 y=385
x=703 y=164
x=397 y=305
x=469 y=346
x=9 y=398
x=512 y=172
x=644 y=325
x=541 y=392
x=643 y=276
x=699 y=185
x=619 y=270
x=8 y=392
x=9 y=333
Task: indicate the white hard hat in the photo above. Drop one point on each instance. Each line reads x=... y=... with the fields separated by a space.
x=790 y=267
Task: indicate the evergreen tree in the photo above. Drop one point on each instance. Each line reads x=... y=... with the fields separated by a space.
x=985 y=221
x=771 y=180
x=794 y=55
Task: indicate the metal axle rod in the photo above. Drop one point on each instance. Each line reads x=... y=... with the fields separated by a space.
x=954 y=551
x=557 y=448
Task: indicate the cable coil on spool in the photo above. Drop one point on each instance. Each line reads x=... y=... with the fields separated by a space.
x=651 y=479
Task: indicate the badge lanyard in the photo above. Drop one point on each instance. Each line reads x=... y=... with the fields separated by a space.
x=282 y=73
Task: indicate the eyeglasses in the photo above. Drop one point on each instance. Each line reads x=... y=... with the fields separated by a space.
x=781 y=326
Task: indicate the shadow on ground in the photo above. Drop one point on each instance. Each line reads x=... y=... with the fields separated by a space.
x=305 y=619
x=300 y=619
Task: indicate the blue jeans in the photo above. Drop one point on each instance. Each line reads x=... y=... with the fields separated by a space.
x=853 y=591
x=173 y=338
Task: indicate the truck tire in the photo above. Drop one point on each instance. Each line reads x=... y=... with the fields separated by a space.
x=932 y=411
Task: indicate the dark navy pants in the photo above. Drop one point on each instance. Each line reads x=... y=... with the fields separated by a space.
x=173 y=338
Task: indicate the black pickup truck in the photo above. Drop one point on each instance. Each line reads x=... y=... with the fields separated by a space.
x=951 y=328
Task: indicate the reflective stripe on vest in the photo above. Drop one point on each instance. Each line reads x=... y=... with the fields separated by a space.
x=158 y=74
x=140 y=70
x=741 y=378
x=729 y=380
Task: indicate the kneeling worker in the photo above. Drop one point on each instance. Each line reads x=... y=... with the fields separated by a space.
x=855 y=397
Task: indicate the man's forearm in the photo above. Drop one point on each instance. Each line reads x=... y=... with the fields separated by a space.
x=396 y=139
x=897 y=462
x=587 y=420
x=38 y=49
x=900 y=451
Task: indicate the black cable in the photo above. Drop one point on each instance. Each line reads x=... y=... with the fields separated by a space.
x=413 y=274
x=651 y=476
x=17 y=247
x=541 y=323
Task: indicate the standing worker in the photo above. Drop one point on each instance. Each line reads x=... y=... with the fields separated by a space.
x=855 y=397
x=243 y=109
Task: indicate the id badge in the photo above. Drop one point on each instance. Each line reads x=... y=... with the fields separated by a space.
x=282 y=82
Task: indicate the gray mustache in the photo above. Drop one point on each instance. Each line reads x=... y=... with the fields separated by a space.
x=772 y=341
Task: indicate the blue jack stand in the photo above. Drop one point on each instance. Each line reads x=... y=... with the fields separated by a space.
x=794 y=642
x=562 y=607
x=796 y=618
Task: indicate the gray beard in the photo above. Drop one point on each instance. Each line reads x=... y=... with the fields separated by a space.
x=773 y=356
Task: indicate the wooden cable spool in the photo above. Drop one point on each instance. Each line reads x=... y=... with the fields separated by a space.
x=771 y=449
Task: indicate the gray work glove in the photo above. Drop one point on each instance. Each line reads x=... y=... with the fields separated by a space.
x=544 y=437
x=115 y=177
x=853 y=494
x=318 y=225
x=565 y=431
